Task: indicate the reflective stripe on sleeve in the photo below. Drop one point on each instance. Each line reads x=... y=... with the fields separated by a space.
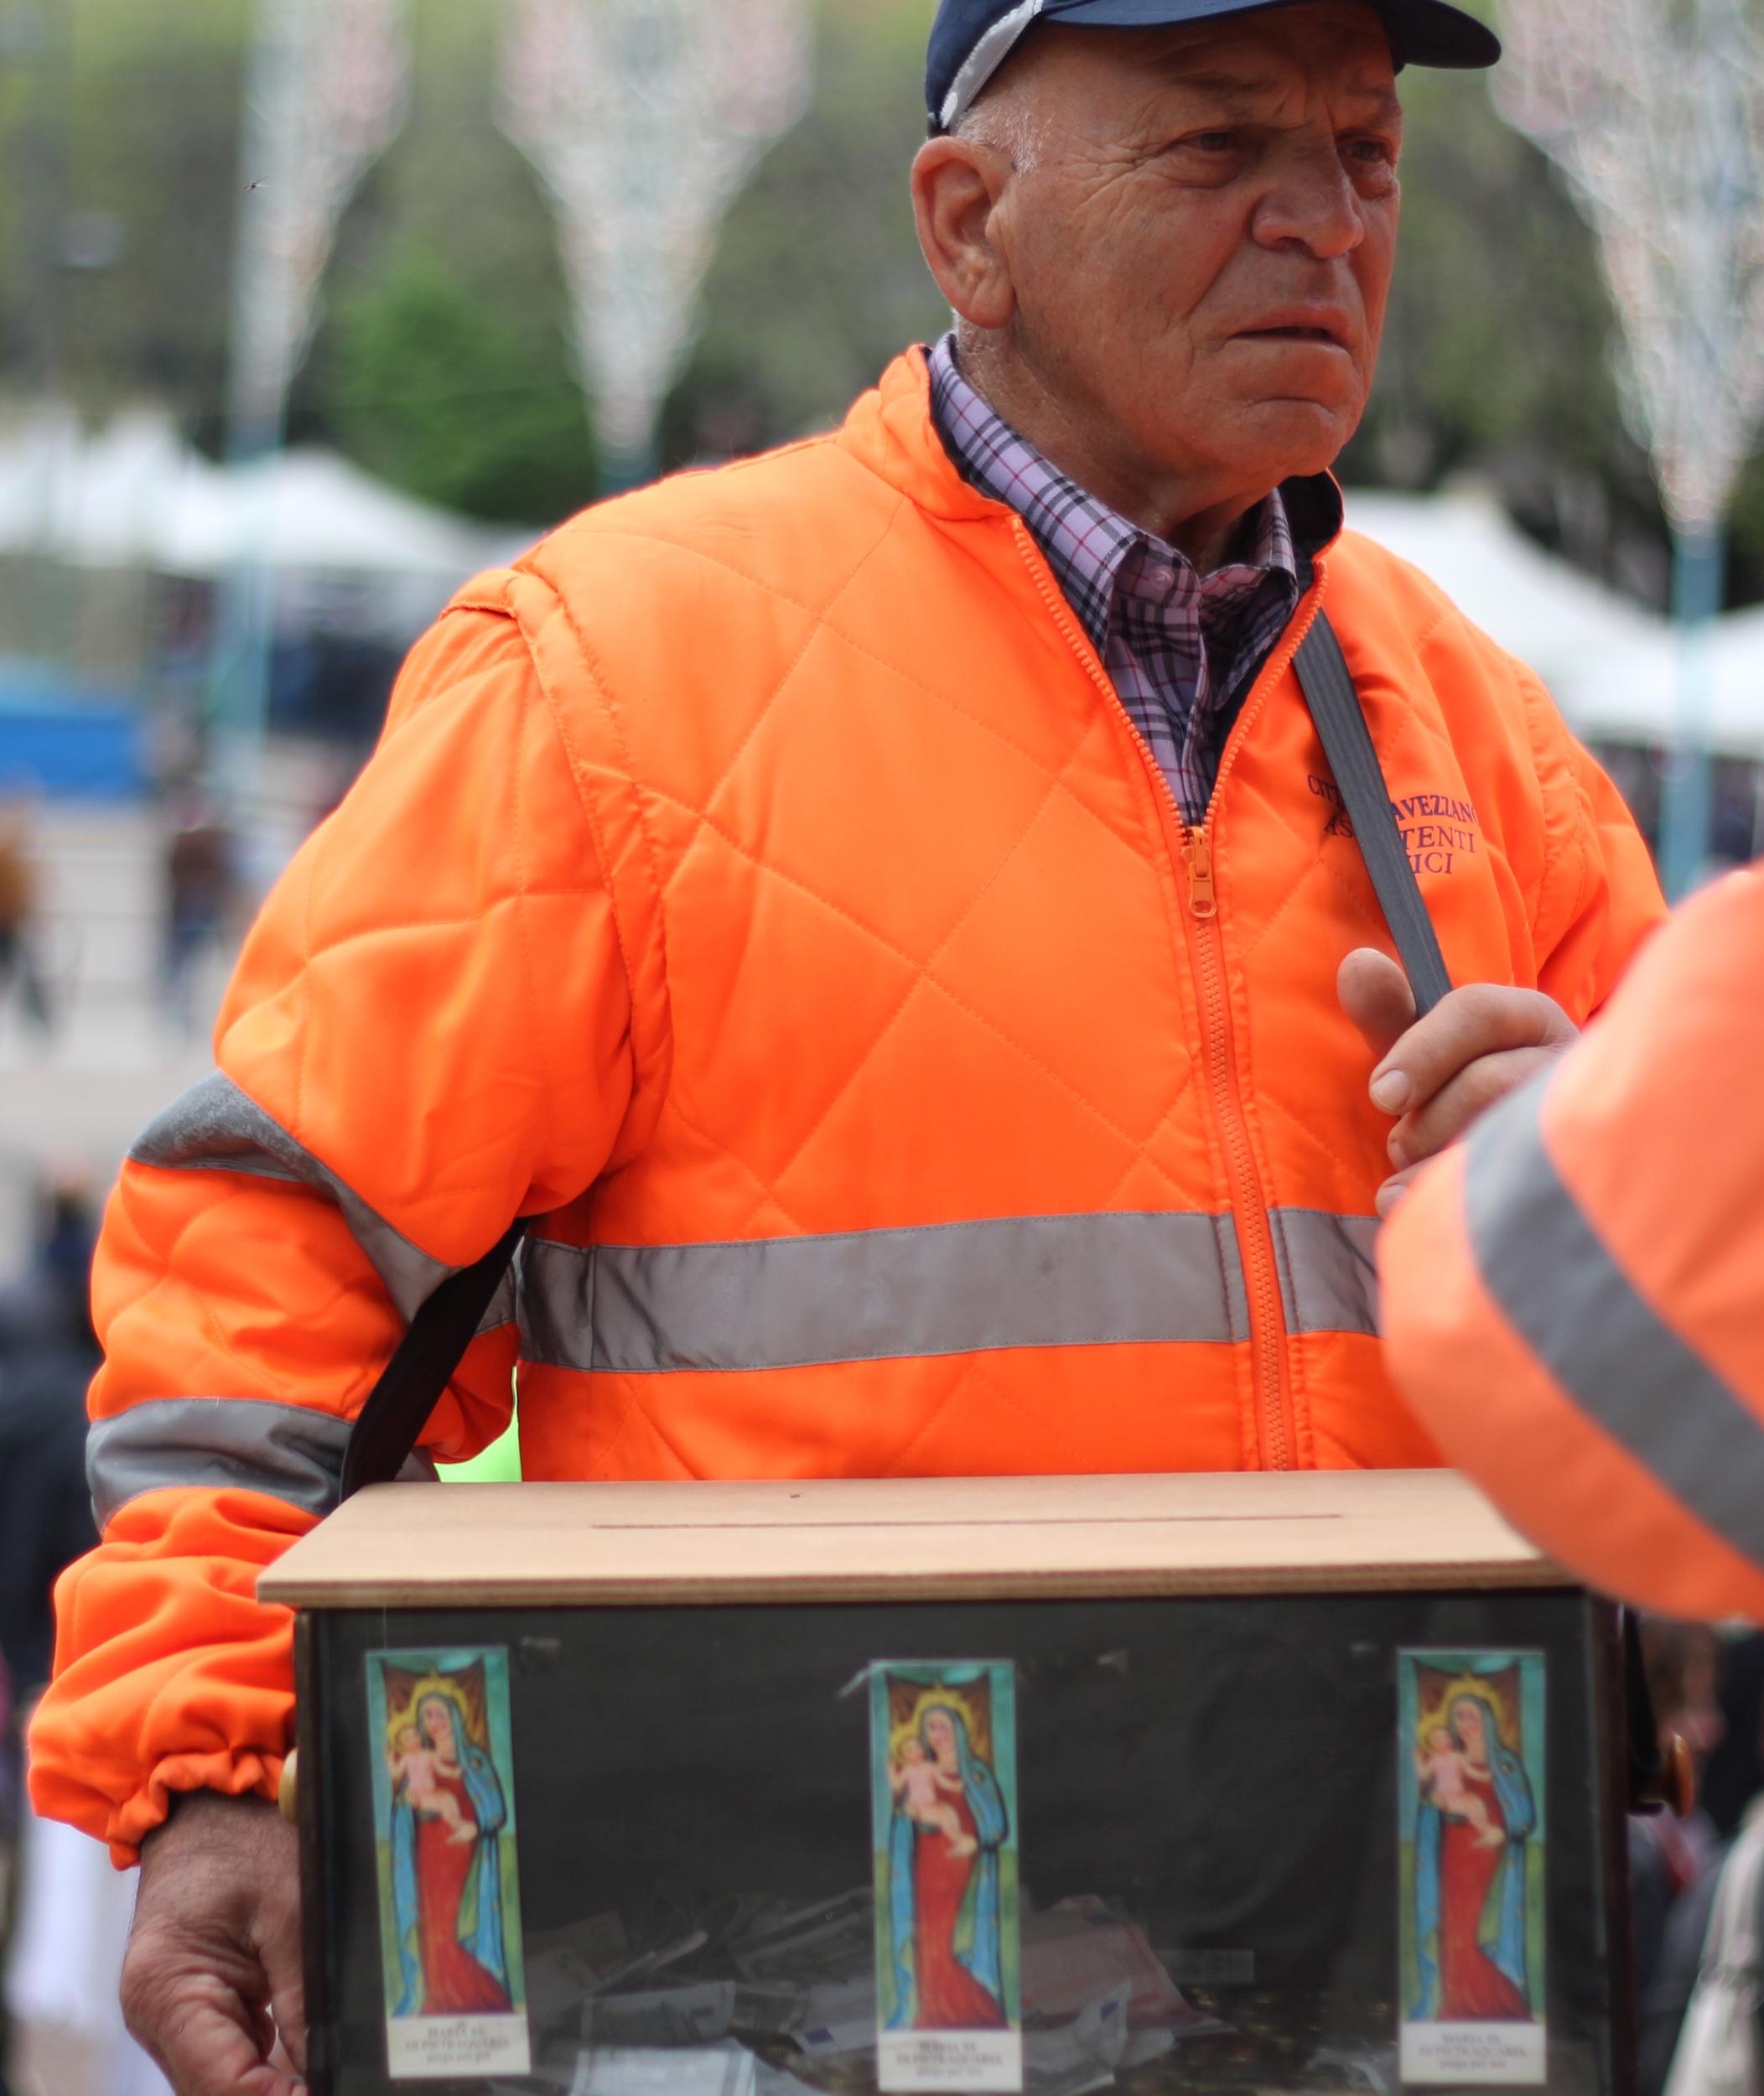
x=504 y=1306
x=1559 y=1285
x=1329 y=1275
x=216 y=1444
x=216 y=1127
x=996 y=1286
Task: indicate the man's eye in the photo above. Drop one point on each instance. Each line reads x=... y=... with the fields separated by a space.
x=1212 y=142
x=1372 y=152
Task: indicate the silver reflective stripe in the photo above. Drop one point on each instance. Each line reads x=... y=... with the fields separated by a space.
x=215 y=1127
x=1543 y=1263
x=1329 y=1278
x=504 y=1304
x=247 y=1444
x=1090 y=1280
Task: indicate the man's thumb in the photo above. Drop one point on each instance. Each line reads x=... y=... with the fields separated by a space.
x=1376 y=996
x=280 y=1951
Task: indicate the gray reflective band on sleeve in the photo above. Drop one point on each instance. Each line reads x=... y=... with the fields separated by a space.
x=241 y=1444
x=216 y=1127
x=1086 y=1281
x=504 y=1305
x=1329 y=1275
x=1543 y=1263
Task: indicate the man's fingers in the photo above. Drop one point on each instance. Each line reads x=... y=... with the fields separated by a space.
x=1376 y=996
x=1483 y=1019
x=213 y=1968
x=1438 y=1075
x=201 y=2031
x=1438 y=1125
x=280 y=1950
x=1392 y=1191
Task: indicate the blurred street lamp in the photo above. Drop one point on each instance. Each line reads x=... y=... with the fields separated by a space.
x=326 y=93
x=1654 y=110
x=643 y=118
x=35 y=41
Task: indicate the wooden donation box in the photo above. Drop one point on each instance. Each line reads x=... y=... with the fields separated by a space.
x=1150 y=1784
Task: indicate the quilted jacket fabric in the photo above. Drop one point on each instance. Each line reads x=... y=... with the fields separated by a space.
x=1574 y=1293
x=761 y=882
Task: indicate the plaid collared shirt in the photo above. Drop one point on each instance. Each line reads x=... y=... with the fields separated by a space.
x=1176 y=644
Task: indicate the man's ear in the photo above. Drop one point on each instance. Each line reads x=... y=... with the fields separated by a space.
x=957 y=184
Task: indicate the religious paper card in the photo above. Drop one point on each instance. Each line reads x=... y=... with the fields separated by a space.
x=1470 y=1799
x=449 y=1881
x=943 y=1790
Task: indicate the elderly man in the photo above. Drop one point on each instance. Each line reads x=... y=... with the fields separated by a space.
x=882 y=905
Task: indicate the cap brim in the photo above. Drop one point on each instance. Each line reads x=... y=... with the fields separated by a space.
x=1422 y=32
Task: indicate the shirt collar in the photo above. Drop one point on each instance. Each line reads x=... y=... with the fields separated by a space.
x=1084 y=540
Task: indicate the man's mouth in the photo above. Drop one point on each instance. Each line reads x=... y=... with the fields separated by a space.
x=1326 y=330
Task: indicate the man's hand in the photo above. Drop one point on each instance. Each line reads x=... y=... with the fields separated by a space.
x=212 y=1976
x=1439 y=1075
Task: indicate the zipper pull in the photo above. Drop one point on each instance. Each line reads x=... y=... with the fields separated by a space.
x=1201 y=898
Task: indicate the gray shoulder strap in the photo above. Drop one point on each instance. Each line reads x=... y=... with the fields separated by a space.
x=1335 y=707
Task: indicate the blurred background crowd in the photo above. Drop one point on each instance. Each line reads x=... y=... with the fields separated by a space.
x=311 y=308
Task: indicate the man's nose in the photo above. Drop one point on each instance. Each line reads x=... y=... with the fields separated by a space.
x=1311 y=202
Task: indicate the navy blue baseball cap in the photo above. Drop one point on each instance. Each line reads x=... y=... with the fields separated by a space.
x=972 y=39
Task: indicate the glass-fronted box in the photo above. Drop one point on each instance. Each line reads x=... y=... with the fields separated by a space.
x=1151 y=1784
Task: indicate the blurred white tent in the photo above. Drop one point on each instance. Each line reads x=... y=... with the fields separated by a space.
x=96 y=500
x=1612 y=665
x=1632 y=698
x=134 y=495
x=1565 y=626
x=311 y=510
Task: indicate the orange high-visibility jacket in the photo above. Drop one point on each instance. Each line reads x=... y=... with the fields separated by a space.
x=762 y=883
x=1575 y=1298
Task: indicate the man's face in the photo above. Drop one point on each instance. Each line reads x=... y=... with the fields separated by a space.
x=1200 y=229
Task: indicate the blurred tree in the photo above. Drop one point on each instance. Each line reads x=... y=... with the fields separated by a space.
x=151 y=126
x=1496 y=355
x=817 y=280
x=447 y=394
x=442 y=362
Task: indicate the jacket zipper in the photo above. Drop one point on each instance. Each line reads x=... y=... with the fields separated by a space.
x=1275 y=1432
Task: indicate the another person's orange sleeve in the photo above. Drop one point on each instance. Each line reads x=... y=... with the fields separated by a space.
x=1572 y=1298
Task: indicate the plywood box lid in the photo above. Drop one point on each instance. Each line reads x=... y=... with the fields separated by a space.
x=498 y=1546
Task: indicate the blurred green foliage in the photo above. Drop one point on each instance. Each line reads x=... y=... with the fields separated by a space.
x=445 y=392
x=128 y=109
x=442 y=358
